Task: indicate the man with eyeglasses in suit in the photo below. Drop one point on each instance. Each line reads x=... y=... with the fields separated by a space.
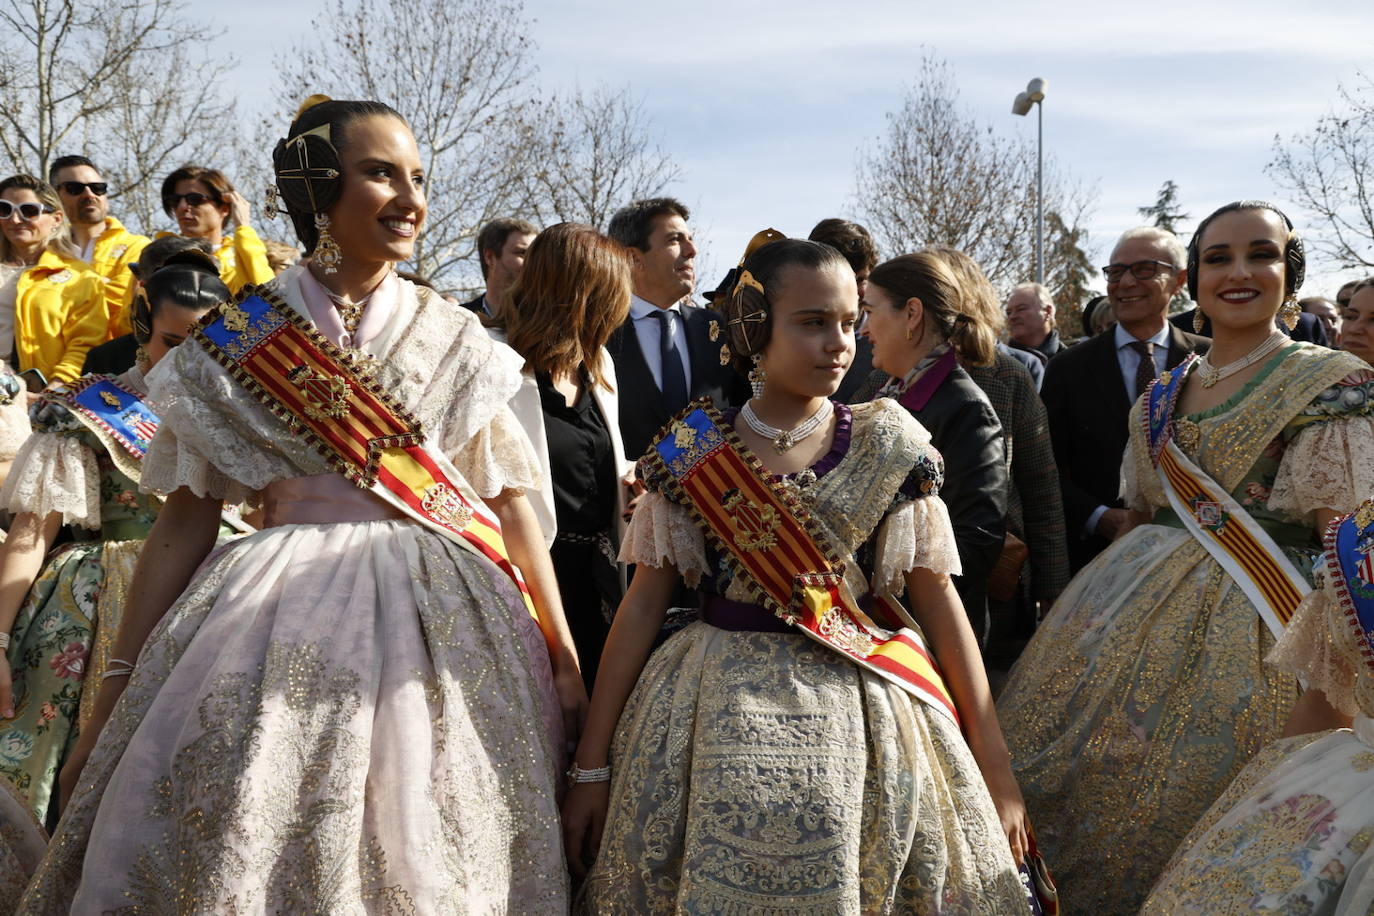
x=1089 y=388
x=103 y=241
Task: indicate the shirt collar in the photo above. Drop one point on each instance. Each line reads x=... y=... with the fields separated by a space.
x=643 y=308
x=1124 y=338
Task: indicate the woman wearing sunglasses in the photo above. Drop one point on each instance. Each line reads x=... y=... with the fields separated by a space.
x=204 y=204
x=52 y=306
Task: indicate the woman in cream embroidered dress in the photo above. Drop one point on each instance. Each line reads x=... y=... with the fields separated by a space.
x=1294 y=833
x=62 y=620
x=344 y=712
x=755 y=771
x=1144 y=691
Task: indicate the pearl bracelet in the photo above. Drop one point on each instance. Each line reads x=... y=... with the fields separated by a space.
x=4 y=640
x=577 y=774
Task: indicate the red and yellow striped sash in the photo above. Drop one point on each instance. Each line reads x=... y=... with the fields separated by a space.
x=773 y=546
x=323 y=396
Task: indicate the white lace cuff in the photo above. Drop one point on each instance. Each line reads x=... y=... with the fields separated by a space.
x=55 y=473
x=1308 y=649
x=171 y=464
x=499 y=457
x=918 y=533
x=1327 y=466
x=663 y=534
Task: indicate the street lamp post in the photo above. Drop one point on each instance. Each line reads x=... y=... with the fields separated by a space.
x=1035 y=95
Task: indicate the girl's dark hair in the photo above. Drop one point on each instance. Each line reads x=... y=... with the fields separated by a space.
x=309 y=173
x=1294 y=255
x=189 y=279
x=927 y=276
x=749 y=312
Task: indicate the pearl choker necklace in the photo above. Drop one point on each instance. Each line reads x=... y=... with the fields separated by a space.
x=784 y=439
x=1210 y=374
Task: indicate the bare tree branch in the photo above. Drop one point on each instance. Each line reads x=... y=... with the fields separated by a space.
x=128 y=83
x=940 y=177
x=1327 y=171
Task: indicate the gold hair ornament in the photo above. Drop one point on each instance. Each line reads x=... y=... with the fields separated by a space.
x=746 y=281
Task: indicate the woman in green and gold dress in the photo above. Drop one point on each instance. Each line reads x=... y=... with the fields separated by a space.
x=80 y=468
x=1144 y=692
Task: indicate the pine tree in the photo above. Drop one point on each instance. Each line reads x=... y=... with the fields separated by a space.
x=1164 y=212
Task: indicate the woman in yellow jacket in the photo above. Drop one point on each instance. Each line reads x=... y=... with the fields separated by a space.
x=204 y=203
x=52 y=306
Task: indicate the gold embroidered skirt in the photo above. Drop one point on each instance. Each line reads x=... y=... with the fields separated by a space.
x=343 y=718
x=758 y=773
x=1140 y=697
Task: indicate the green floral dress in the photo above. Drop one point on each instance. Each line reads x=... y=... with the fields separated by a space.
x=63 y=632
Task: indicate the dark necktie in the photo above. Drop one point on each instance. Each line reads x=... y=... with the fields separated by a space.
x=1145 y=372
x=674 y=384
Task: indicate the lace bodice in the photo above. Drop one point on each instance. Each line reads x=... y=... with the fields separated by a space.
x=1288 y=444
x=435 y=359
x=876 y=497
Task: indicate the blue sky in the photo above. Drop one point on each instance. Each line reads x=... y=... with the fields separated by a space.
x=765 y=105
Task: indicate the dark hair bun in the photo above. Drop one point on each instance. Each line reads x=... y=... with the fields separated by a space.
x=194 y=259
x=307 y=166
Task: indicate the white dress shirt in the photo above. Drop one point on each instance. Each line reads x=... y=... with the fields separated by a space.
x=1128 y=358
x=648 y=330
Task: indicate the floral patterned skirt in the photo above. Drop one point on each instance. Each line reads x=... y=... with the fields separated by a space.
x=759 y=773
x=1140 y=697
x=1293 y=834
x=345 y=718
x=49 y=644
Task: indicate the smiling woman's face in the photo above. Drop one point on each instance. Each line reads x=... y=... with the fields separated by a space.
x=382 y=205
x=1240 y=268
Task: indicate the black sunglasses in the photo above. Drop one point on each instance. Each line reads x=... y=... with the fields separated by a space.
x=194 y=199
x=75 y=188
x=28 y=211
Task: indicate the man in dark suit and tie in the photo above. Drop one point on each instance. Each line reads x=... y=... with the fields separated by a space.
x=1089 y=388
x=501 y=247
x=666 y=353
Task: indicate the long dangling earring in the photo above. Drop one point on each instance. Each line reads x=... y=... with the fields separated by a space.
x=141 y=358
x=757 y=376
x=1199 y=320
x=327 y=253
x=1290 y=312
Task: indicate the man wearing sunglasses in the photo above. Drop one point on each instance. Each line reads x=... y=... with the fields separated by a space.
x=1089 y=388
x=103 y=241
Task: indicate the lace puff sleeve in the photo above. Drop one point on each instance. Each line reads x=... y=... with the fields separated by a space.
x=1312 y=647
x=213 y=437
x=56 y=471
x=499 y=457
x=1329 y=459
x=662 y=533
x=916 y=531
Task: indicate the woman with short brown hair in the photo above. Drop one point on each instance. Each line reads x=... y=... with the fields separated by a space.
x=574 y=291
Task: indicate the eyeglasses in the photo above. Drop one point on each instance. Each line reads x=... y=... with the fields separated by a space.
x=28 y=211
x=1141 y=270
x=194 y=199
x=76 y=188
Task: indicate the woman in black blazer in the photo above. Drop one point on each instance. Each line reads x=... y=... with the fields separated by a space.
x=919 y=339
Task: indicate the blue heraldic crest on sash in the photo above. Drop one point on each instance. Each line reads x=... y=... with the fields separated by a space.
x=120 y=412
x=692 y=438
x=241 y=325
